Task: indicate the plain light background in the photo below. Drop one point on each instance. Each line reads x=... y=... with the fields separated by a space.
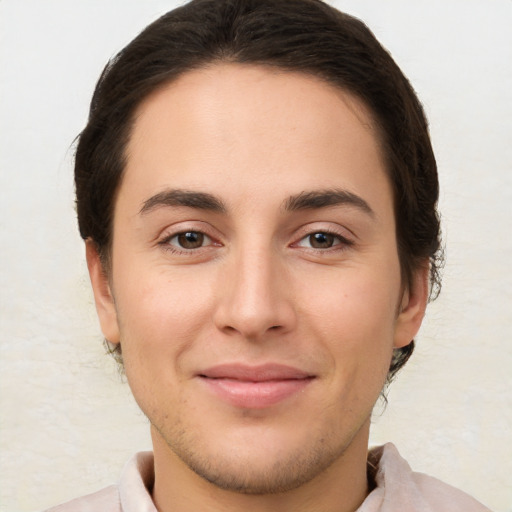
x=67 y=421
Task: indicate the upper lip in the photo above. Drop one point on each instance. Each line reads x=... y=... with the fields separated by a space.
x=257 y=373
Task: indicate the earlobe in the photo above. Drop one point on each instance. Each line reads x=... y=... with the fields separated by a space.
x=412 y=308
x=103 y=297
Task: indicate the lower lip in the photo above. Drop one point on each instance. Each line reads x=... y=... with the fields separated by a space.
x=255 y=395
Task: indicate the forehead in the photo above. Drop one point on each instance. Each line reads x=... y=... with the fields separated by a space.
x=261 y=99
x=252 y=126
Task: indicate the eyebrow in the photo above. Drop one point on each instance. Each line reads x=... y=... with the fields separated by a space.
x=325 y=198
x=177 y=197
x=310 y=200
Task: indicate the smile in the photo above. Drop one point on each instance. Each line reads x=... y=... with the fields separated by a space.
x=255 y=387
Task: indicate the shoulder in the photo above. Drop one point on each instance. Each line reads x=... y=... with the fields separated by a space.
x=106 y=500
x=400 y=488
x=442 y=497
x=132 y=494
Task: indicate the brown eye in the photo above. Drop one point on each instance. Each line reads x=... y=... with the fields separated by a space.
x=322 y=240
x=189 y=240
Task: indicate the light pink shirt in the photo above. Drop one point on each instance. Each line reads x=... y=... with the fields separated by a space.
x=398 y=489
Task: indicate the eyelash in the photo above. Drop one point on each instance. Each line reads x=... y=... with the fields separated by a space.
x=165 y=243
x=343 y=242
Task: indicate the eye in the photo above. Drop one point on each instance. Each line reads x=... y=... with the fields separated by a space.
x=322 y=240
x=188 y=240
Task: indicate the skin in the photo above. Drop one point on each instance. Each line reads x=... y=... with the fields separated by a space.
x=258 y=289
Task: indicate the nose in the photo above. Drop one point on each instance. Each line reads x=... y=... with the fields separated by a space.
x=255 y=298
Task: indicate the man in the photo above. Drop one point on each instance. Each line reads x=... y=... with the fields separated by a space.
x=257 y=193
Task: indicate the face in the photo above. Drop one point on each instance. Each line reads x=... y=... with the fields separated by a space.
x=255 y=285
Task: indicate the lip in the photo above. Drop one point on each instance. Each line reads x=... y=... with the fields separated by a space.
x=255 y=387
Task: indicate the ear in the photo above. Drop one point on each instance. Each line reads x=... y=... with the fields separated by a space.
x=412 y=308
x=103 y=297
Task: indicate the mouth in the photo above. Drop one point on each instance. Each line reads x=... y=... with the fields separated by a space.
x=255 y=387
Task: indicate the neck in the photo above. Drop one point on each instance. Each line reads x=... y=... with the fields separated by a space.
x=342 y=487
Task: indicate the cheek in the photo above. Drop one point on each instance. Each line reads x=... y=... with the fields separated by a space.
x=354 y=301
x=161 y=300
x=160 y=316
x=354 y=315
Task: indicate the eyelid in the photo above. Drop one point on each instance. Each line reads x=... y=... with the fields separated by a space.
x=303 y=241
x=346 y=239
x=170 y=232
x=342 y=232
x=207 y=239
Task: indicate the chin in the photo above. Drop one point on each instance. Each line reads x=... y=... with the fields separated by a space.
x=257 y=463
x=276 y=474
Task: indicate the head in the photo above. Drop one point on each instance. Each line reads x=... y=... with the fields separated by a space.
x=234 y=44
x=335 y=47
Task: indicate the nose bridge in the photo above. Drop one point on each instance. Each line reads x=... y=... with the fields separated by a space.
x=254 y=299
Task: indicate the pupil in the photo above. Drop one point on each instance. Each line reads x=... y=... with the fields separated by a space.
x=321 y=240
x=191 y=240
